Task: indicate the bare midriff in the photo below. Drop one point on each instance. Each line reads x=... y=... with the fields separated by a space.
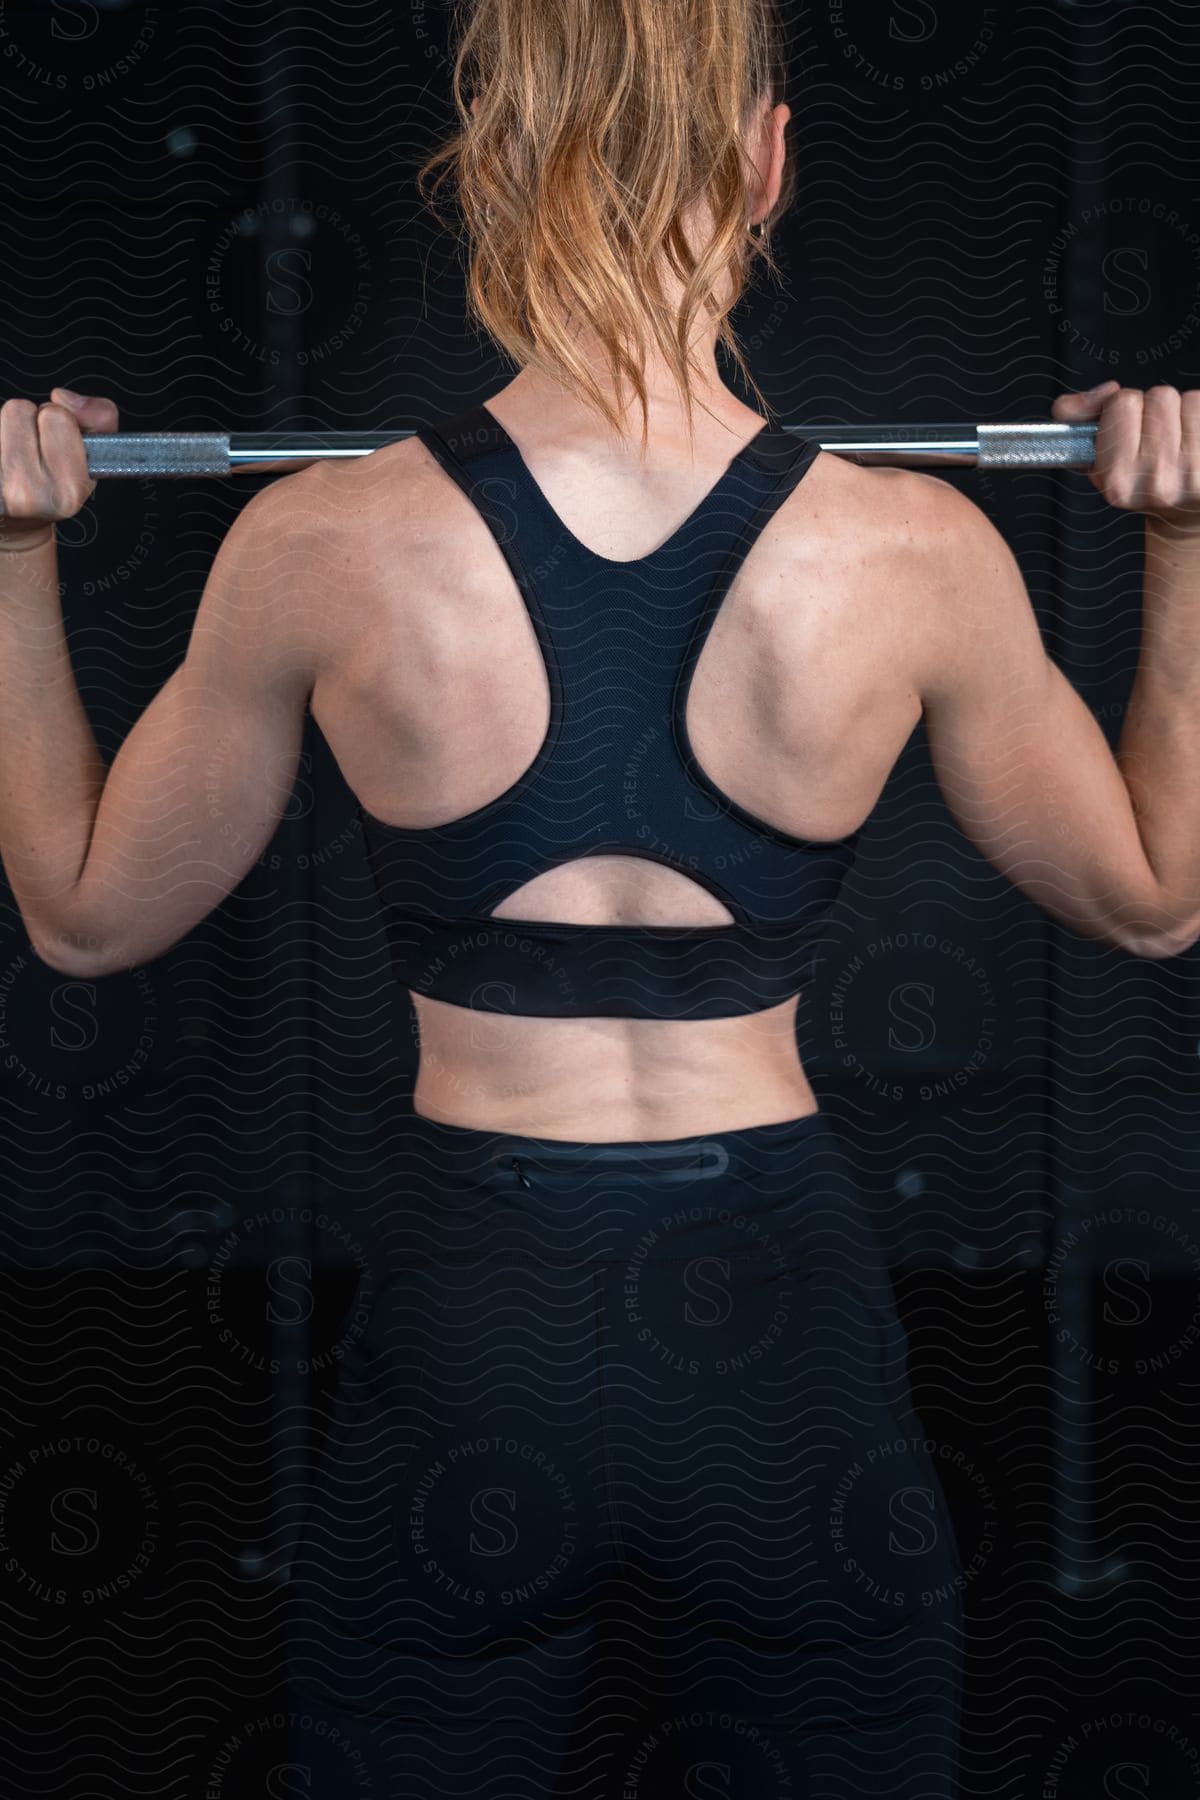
x=608 y=1080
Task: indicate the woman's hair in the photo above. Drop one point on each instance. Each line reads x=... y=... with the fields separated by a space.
x=601 y=124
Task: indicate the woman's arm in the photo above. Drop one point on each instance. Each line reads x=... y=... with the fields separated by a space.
x=111 y=868
x=1109 y=846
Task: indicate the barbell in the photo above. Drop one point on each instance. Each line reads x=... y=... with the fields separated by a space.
x=181 y=453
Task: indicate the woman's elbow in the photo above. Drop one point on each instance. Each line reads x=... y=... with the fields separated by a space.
x=86 y=957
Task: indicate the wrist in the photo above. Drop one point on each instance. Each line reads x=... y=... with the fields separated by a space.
x=1183 y=531
x=18 y=543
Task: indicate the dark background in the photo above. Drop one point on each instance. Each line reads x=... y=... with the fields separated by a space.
x=208 y=211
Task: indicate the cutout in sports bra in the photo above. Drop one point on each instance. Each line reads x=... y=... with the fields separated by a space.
x=615 y=774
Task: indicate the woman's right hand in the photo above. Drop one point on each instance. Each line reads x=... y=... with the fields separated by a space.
x=43 y=463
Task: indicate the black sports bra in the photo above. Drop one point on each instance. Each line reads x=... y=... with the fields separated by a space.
x=615 y=773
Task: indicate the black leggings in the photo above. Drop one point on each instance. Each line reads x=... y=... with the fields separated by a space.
x=624 y=1497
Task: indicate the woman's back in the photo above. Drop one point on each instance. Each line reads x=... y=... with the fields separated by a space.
x=802 y=697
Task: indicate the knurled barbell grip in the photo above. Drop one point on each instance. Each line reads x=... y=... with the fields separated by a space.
x=147 y=453
x=1050 y=446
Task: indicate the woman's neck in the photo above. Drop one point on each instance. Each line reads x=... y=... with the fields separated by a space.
x=546 y=406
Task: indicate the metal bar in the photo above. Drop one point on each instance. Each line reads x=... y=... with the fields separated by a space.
x=1036 y=445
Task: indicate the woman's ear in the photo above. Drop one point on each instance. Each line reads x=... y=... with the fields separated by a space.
x=769 y=158
x=475 y=106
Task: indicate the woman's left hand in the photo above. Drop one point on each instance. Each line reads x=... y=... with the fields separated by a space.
x=1147 y=448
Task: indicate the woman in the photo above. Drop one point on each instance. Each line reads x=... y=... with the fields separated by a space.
x=624 y=1493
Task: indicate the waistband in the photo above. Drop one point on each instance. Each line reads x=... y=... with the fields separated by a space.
x=750 y=1150
x=787 y=1191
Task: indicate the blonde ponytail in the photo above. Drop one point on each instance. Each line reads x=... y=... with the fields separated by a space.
x=601 y=123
